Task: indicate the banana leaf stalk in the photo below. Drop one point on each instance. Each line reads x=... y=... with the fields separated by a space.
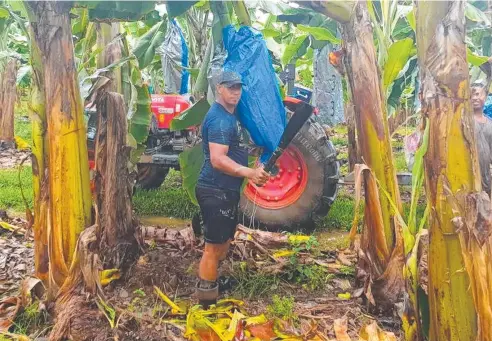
x=201 y=84
x=39 y=160
x=242 y=12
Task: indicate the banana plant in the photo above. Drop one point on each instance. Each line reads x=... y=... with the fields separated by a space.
x=10 y=55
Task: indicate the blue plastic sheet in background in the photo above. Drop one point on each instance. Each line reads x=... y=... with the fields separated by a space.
x=487 y=109
x=261 y=109
x=185 y=75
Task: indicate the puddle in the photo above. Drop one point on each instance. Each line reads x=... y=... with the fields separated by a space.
x=169 y=222
x=332 y=239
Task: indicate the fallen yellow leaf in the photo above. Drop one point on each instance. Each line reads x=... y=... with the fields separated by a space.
x=345 y=296
x=107 y=276
x=283 y=253
x=168 y=301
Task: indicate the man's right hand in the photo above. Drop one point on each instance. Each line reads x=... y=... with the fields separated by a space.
x=259 y=176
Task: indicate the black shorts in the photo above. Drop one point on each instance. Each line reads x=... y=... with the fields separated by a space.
x=219 y=210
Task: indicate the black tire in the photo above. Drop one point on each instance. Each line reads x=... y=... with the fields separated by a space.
x=150 y=176
x=321 y=189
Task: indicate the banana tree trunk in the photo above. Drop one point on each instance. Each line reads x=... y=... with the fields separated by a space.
x=8 y=95
x=353 y=157
x=450 y=163
x=111 y=52
x=68 y=170
x=383 y=246
x=115 y=229
x=373 y=136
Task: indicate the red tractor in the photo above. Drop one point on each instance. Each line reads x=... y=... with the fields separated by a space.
x=305 y=185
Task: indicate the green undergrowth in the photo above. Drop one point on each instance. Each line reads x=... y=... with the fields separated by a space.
x=282 y=308
x=10 y=193
x=22 y=122
x=31 y=320
x=22 y=128
x=339 y=141
x=296 y=274
x=171 y=200
x=341 y=213
x=400 y=162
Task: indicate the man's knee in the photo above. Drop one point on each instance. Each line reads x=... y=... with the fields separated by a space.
x=225 y=250
x=216 y=251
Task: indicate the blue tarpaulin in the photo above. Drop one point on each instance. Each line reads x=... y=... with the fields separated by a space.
x=174 y=58
x=261 y=109
x=487 y=109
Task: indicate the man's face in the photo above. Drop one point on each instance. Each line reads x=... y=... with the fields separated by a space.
x=230 y=94
x=478 y=97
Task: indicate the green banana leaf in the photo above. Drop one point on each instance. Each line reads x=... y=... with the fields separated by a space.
x=192 y=116
x=398 y=55
x=141 y=114
x=118 y=10
x=475 y=59
x=474 y=14
x=270 y=33
x=18 y=7
x=418 y=179
x=176 y=8
x=139 y=111
x=79 y=25
x=405 y=82
x=320 y=33
x=148 y=43
x=403 y=29
x=4 y=13
x=190 y=162
x=411 y=20
x=296 y=49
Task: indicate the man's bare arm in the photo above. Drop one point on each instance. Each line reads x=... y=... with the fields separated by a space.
x=223 y=163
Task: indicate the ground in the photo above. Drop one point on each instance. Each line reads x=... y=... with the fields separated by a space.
x=302 y=291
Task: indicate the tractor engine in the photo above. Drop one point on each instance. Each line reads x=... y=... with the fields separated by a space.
x=164 y=145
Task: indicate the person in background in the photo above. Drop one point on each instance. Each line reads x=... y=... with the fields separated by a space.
x=483 y=134
x=219 y=184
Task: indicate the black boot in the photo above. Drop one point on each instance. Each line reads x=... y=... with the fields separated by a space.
x=207 y=293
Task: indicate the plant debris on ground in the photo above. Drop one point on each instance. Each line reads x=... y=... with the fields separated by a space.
x=309 y=295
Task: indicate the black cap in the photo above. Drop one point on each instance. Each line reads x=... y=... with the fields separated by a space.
x=229 y=78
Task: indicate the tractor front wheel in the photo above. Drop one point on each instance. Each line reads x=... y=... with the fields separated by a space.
x=305 y=185
x=150 y=176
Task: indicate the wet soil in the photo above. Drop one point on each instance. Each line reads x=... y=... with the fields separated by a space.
x=174 y=272
x=11 y=158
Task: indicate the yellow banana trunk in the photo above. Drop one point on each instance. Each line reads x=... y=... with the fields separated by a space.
x=68 y=170
x=450 y=162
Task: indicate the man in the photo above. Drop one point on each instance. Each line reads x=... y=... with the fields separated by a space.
x=483 y=134
x=219 y=183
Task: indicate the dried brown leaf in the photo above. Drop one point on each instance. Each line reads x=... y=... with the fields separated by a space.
x=31 y=288
x=9 y=307
x=340 y=327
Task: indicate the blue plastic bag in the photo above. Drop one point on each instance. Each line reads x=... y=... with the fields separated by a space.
x=174 y=59
x=261 y=109
x=487 y=108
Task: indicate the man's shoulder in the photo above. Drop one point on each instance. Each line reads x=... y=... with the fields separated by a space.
x=217 y=114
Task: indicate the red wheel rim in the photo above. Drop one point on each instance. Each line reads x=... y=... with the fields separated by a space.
x=286 y=187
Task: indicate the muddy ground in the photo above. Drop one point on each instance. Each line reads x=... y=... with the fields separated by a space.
x=142 y=315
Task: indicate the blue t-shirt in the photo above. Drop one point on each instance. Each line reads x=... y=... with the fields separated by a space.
x=221 y=127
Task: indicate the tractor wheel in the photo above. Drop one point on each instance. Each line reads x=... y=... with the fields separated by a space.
x=150 y=176
x=305 y=186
